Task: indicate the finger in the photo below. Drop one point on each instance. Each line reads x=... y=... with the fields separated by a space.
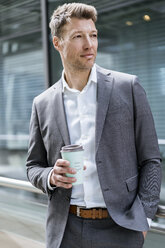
x=84 y=168
x=64 y=179
x=62 y=162
x=64 y=170
x=64 y=185
x=144 y=234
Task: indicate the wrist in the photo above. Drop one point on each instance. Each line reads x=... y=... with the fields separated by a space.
x=50 y=185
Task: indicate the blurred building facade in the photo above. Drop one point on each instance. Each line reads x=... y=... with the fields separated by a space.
x=131 y=39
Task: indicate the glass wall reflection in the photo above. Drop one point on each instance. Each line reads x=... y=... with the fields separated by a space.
x=21 y=79
x=131 y=40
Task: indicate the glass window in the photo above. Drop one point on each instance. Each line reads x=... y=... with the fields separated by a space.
x=21 y=79
x=132 y=40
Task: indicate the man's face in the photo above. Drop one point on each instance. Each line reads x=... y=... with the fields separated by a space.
x=78 y=46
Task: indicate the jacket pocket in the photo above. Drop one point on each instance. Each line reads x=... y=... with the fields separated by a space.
x=132 y=183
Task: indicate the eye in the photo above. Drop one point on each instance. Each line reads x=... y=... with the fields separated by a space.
x=77 y=36
x=94 y=35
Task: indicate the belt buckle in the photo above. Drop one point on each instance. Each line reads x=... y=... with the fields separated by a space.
x=78 y=210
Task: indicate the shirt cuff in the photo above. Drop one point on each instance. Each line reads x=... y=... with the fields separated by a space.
x=48 y=181
x=149 y=221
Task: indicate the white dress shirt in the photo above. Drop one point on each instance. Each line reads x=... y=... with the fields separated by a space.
x=80 y=108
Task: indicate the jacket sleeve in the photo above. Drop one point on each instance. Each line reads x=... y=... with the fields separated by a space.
x=148 y=155
x=37 y=165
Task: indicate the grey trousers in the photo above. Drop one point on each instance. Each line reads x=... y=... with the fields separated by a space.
x=105 y=233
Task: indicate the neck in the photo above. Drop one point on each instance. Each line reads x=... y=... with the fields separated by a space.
x=77 y=79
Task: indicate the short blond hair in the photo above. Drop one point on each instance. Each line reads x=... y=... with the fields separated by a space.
x=65 y=12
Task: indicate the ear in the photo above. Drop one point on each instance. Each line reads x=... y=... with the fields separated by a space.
x=56 y=43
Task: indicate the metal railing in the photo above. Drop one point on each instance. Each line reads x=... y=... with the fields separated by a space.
x=161 y=211
x=24 y=185
x=27 y=186
x=18 y=184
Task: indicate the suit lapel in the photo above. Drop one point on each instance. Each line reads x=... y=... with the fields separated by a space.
x=60 y=116
x=104 y=90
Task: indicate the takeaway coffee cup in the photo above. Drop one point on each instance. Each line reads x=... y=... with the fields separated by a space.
x=74 y=154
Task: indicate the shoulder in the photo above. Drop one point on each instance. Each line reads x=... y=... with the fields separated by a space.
x=46 y=95
x=124 y=84
x=118 y=76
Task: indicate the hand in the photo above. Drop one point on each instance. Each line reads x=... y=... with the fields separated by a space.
x=58 y=177
x=144 y=234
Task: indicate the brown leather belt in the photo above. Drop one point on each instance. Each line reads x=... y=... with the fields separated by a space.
x=92 y=213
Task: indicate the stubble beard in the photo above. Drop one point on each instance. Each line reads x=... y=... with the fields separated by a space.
x=82 y=67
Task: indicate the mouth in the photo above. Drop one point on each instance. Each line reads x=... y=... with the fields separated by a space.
x=88 y=56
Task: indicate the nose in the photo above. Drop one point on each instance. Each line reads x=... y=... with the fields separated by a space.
x=87 y=42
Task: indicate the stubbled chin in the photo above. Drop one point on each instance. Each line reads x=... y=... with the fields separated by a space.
x=82 y=66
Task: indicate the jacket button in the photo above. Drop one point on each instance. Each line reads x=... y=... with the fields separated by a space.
x=99 y=161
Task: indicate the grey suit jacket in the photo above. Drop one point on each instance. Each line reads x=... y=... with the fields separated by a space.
x=127 y=153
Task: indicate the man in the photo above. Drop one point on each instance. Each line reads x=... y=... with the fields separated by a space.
x=108 y=113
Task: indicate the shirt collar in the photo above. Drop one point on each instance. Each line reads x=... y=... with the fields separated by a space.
x=92 y=78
